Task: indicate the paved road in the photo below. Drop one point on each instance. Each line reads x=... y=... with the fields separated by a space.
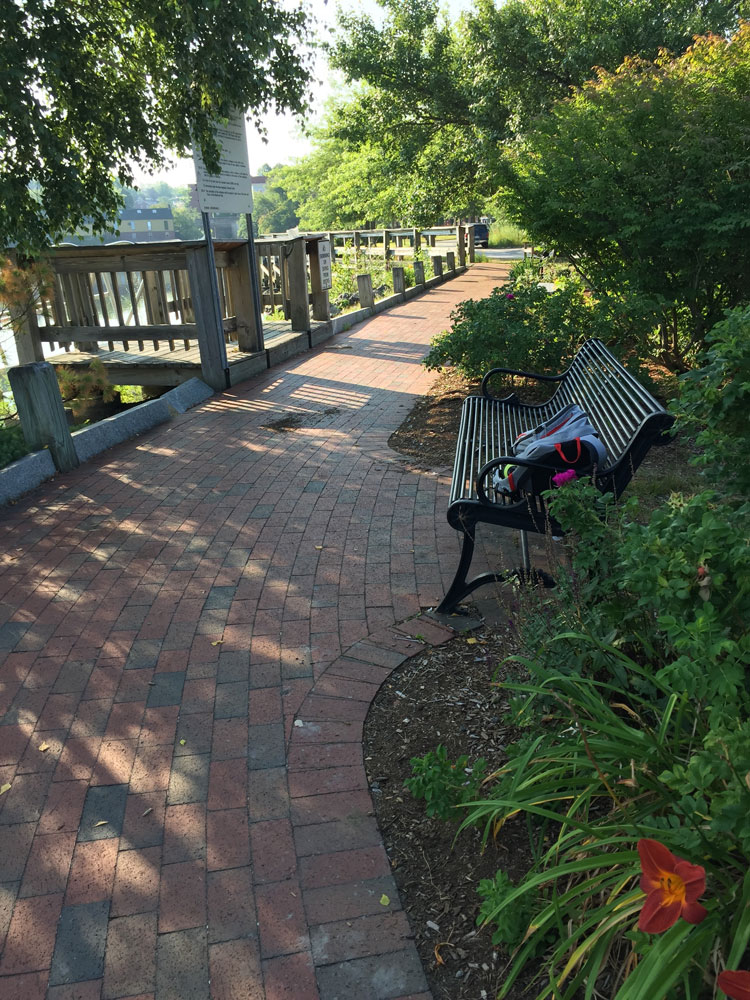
x=192 y=629
x=513 y=253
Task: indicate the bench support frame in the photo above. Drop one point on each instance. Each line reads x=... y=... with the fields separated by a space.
x=460 y=588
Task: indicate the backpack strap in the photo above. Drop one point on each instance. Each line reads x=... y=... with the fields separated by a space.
x=569 y=461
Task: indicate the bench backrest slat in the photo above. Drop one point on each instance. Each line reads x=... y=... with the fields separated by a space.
x=617 y=404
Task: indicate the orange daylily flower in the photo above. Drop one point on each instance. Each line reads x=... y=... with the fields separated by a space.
x=672 y=886
x=736 y=985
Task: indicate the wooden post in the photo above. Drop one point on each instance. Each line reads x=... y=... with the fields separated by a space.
x=472 y=255
x=386 y=244
x=40 y=408
x=210 y=332
x=320 y=306
x=295 y=265
x=364 y=286
x=432 y=239
x=437 y=265
x=461 y=246
x=416 y=240
x=240 y=285
x=26 y=335
x=399 y=285
x=418 y=272
x=450 y=260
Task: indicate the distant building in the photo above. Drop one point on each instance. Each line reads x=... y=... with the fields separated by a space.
x=141 y=225
x=146 y=224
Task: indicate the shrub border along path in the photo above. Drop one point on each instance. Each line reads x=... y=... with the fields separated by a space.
x=192 y=628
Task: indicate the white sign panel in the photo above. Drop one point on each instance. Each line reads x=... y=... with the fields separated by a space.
x=230 y=190
x=324 y=260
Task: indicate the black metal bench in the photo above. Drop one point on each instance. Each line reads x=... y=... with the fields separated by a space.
x=626 y=416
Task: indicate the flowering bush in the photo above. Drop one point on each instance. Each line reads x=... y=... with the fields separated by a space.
x=520 y=325
x=637 y=732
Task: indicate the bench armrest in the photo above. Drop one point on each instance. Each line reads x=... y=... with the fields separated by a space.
x=496 y=463
x=513 y=371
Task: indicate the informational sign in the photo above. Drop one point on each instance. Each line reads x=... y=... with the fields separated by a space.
x=231 y=190
x=324 y=261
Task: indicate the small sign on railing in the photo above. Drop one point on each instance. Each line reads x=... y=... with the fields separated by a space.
x=324 y=263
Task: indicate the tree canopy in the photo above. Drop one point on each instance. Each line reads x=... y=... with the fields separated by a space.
x=643 y=178
x=433 y=102
x=89 y=89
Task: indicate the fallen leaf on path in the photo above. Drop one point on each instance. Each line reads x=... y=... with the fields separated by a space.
x=471 y=642
x=182 y=743
x=4 y=788
x=149 y=810
x=218 y=642
x=43 y=747
x=102 y=822
x=384 y=900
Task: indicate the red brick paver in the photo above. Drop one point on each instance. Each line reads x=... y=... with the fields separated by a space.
x=192 y=628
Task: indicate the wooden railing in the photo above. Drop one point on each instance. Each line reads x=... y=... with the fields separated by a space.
x=398 y=242
x=133 y=293
x=139 y=298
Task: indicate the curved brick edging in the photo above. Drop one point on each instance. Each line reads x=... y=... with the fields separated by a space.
x=342 y=867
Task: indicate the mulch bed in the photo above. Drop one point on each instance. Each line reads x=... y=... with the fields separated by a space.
x=445 y=696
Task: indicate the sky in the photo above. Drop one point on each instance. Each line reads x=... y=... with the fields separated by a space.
x=285 y=140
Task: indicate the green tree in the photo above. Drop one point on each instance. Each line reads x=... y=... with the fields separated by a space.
x=436 y=100
x=187 y=221
x=273 y=210
x=340 y=187
x=642 y=178
x=90 y=89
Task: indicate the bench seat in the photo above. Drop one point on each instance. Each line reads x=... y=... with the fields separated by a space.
x=628 y=420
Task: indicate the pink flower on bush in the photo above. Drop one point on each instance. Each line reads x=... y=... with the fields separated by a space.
x=509 y=295
x=564 y=477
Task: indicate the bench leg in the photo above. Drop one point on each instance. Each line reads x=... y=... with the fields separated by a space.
x=457 y=589
x=461 y=587
x=526 y=566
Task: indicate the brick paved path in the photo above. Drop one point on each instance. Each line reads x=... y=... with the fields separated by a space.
x=166 y=614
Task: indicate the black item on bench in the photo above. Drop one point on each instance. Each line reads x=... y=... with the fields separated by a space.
x=626 y=416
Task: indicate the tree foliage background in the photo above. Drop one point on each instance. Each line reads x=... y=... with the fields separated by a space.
x=89 y=89
x=642 y=177
x=419 y=133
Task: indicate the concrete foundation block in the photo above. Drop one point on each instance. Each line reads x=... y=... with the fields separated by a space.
x=187 y=395
x=25 y=474
x=114 y=430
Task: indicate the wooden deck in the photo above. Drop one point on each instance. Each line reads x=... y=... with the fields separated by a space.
x=160 y=365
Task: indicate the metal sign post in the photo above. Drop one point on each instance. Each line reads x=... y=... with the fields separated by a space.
x=254 y=283
x=215 y=294
x=230 y=191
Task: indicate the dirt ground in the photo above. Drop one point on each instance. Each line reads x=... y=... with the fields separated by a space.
x=447 y=696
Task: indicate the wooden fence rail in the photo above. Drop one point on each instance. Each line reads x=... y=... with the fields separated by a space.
x=154 y=301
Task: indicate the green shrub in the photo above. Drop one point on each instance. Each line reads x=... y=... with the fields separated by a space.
x=520 y=325
x=12 y=444
x=636 y=716
x=715 y=401
x=509 y=923
x=444 y=785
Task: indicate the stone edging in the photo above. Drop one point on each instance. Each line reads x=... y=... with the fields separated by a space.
x=32 y=470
